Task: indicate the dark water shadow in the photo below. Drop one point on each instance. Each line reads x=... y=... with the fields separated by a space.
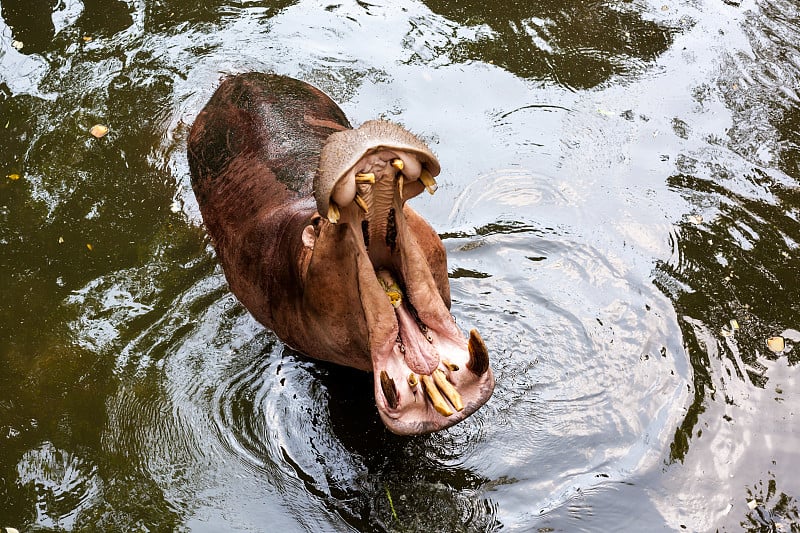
x=407 y=485
x=576 y=44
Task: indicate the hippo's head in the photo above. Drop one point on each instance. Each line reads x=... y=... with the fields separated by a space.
x=372 y=251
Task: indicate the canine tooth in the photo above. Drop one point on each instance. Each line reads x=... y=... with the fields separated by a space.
x=448 y=389
x=365 y=178
x=400 y=186
x=389 y=390
x=333 y=213
x=398 y=164
x=478 y=362
x=428 y=180
x=413 y=381
x=362 y=203
x=435 y=396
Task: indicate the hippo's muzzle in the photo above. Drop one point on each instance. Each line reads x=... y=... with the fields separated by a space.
x=428 y=376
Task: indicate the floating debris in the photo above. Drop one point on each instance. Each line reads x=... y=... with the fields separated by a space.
x=13 y=177
x=17 y=45
x=752 y=504
x=98 y=130
x=695 y=219
x=87 y=38
x=734 y=324
x=175 y=207
x=89 y=247
x=776 y=344
x=61 y=240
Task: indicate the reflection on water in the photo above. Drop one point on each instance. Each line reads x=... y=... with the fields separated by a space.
x=620 y=208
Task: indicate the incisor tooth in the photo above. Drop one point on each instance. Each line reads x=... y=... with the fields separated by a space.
x=428 y=180
x=413 y=381
x=333 y=213
x=437 y=400
x=362 y=203
x=398 y=164
x=448 y=389
x=400 y=186
x=365 y=178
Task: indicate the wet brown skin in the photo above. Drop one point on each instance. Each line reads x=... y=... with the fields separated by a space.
x=254 y=151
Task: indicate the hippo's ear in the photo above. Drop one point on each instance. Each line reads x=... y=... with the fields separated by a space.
x=346 y=150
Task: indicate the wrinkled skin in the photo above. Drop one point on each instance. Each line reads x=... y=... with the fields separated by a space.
x=362 y=286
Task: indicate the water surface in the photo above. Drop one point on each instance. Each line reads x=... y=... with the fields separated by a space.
x=620 y=183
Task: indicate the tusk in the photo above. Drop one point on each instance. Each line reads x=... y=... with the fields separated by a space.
x=437 y=400
x=413 y=381
x=389 y=390
x=366 y=178
x=362 y=203
x=400 y=186
x=478 y=362
x=428 y=180
x=398 y=164
x=333 y=213
x=448 y=389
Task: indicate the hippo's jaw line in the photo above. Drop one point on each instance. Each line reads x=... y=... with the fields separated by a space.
x=427 y=375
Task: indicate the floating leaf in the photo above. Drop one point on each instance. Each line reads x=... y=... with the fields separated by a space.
x=695 y=219
x=734 y=324
x=89 y=247
x=13 y=177
x=776 y=344
x=61 y=240
x=98 y=130
x=87 y=38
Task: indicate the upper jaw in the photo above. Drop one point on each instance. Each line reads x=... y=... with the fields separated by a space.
x=427 y=375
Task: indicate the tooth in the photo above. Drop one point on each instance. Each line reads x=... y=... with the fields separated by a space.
x=333 y=213
x=448 y=389
x=362 y=203
x=400 y=186
x=478 y=362
x=389 y=390
x=398 y=164
x=365 y=178
x=428 y=180
x=437 y=400
x=413 y=381
x=450 y=366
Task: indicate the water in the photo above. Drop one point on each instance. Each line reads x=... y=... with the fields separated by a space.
x=620 y=182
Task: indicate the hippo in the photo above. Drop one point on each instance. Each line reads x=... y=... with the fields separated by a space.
x=309 y=219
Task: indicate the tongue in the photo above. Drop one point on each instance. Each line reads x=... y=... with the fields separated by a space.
x=421 y=355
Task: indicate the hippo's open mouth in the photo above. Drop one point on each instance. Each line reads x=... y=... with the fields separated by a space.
x=428 y=375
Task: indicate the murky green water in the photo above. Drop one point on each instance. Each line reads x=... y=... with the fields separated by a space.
x=620 y=182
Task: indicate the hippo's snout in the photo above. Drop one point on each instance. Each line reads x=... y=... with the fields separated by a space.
x=428 y=376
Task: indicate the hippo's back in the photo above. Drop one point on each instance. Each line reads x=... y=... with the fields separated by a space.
x=260 y=133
